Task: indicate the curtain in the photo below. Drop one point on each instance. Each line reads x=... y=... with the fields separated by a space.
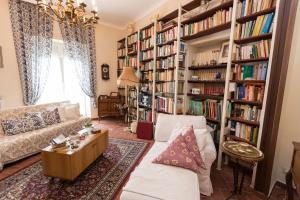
x=79 y=46
x=32 y=32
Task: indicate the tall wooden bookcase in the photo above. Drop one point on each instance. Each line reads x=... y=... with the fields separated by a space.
x=228 y=91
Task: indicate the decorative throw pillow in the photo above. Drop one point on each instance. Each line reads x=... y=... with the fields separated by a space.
x=176 y=132
x=51 y=117
x=12 y=126
x=36 y=121
x=191 y=141
x=178 y=155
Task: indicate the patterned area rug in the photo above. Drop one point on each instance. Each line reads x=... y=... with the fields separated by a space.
x=100 y=180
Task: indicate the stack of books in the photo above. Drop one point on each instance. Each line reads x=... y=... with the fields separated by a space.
x=147 y=33
x=248 y=7
x=211 y=74
x=146 y=44
x=262 y=25
x=249 y=92
x=219 y=18
x=164 y=76
x=211 y=89
x=147 y=66
x=167 y=63
x=244 y=112
x=206 y=57
x=166 y=50
x=250 y=72
x=168 y=87
x=146 y=55
x=208 y=108
x=167 y=36
x=244 y=131
x=164 y=104
x=255 y=50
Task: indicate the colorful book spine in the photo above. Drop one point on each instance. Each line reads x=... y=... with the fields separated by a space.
x=208 y=108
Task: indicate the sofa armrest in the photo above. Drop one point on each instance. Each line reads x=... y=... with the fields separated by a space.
x=209 y=152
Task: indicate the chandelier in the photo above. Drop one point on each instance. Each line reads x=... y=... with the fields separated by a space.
x=68 y=13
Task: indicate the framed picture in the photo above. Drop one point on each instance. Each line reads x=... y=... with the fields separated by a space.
x=224 y=53
x=1 y=58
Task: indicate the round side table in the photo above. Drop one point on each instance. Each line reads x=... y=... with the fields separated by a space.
x=241 y=152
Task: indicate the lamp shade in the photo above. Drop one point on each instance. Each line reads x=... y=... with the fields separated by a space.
x=128 y=77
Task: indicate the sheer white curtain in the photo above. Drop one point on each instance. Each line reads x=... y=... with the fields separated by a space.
x=63 y=84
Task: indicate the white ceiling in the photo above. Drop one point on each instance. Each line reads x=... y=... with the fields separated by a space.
x=122 y=12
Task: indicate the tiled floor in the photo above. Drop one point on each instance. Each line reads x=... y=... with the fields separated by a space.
x=221 y=180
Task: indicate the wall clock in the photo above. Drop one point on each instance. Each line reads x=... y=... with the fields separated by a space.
x=105 y=71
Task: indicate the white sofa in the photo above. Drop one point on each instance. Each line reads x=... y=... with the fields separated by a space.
x=16 y=147
x=151 y=181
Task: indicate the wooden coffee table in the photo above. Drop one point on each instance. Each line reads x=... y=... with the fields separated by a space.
x=66 y=163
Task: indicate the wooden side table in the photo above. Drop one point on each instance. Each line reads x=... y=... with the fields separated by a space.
x=240 y=152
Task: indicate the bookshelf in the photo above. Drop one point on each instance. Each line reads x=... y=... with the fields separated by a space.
x=188 y=73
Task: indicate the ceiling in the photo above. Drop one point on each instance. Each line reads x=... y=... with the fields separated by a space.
x=119 y=13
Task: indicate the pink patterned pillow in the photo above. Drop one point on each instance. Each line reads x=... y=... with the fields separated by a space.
x=191 y=142
x=177 y=154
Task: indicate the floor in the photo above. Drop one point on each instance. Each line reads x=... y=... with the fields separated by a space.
x=221 y=180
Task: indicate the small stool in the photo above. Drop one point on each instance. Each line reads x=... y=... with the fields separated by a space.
x=145 y=130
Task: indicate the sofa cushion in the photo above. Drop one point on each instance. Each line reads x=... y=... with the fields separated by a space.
x=12 y=126
x=191 y=142
x=71 y=112
x=178 y=155
x=36 y=121
x=51 y=117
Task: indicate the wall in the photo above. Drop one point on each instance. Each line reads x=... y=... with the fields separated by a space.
x=10 y=86
x=289 y=126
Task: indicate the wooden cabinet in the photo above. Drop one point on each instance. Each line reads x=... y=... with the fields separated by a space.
x=108 y=105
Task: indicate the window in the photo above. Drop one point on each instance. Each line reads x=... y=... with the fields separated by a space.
x=62 y=84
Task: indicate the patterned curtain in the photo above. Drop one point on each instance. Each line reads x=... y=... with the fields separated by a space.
x=32 y=34
x=79 y=44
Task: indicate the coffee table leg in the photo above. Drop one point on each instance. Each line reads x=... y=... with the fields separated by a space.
x=242 y=181
x=235 y=173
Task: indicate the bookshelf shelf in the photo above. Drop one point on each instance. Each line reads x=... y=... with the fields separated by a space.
x=166 y=43
x=121 y=48
x=202 y=67
x=146 y=38
x=253 y=39
x=252 y=123
x=207 y=81
x=166 y=29
x=213 y=30
x=209 y=13
x=170 y=68
x=206 y=96
x=212 y=120
x=255 y=15
x=254 y=103
x=250 y=60
x=121 y=57
x=147 y=60
x=170 y=55
x=147 y=49
x=132 y=53
x=252 y=82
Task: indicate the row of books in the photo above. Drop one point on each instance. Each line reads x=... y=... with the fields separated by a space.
x=121 y=52
x=211 y=74
x=145 y=115
x=166 y=50
x=243 y=131
x=248 y=7
x=168 y=87
x=146 y=44
x=164 y=104
x=132 y=39
x=121 y=63
x=249 y=92
x=219 y=18
x=147 y=32
x=132 y=62
x=132 y=48
x=121 y=45
x=244 y=112
x=164 y=76
x=249 y=72
x=145 y=66
x=206 y=57
x=211 y=89
x=255 y=50
x=146 y=88
x=167 y=36
x=208 y=108
x=169 y=62
x=262 y=25
x=146 y=55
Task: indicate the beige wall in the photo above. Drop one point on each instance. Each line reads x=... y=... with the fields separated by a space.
x=10 y=86
x=289 y=127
